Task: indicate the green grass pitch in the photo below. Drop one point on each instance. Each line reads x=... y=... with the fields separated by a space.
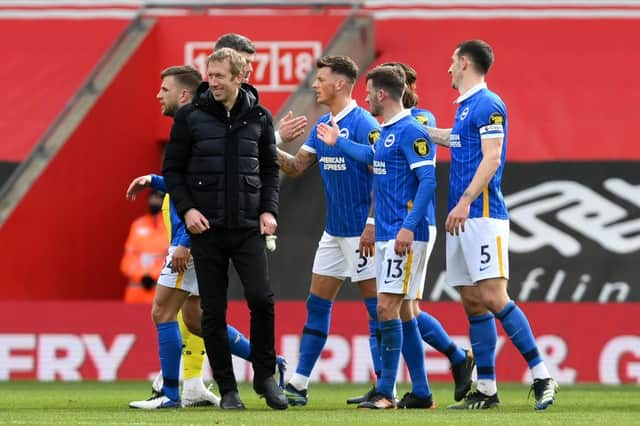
x=91 y=403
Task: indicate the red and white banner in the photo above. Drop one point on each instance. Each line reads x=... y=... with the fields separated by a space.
x=584 y=342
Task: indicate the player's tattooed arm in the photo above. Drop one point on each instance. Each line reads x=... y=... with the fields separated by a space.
x=295 y=165
x=440 y=136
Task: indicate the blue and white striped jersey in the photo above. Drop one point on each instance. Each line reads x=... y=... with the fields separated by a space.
x=347 y=183
x=481 y=115
x=427 y=119
x=404 y=156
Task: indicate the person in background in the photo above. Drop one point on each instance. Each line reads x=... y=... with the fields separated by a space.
x=144 y=252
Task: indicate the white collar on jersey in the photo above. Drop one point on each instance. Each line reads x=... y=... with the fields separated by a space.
x=469 y=93
x=342 y=114
x=399 y=116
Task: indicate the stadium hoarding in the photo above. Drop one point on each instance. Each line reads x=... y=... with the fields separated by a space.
x=575 y=234
x=73 y=341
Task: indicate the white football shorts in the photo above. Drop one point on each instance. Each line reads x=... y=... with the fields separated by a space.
x=401 y=274
x=339 y=257
x=433 y=232
x=479 y=253
x=185 y=281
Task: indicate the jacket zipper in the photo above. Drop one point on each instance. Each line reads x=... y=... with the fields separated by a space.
x=227 y=177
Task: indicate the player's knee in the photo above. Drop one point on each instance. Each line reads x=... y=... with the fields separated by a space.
x=474 y=305
x=386 y=311
x=158 y=313
x=494 y=300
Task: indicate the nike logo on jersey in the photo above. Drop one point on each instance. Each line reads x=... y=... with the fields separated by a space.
x=484 y=268
x=388 y=281
x=360 y=270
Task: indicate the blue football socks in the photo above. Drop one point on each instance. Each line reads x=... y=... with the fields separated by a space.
x=434 y=334
x=390 y=350
x=413 y=353
x=170 y=350
x=374 y=334
x=314 y=334
x=484 y=337
x=238 y=344
x=517 y=326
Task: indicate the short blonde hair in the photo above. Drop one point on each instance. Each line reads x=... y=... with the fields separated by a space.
x=236 y=60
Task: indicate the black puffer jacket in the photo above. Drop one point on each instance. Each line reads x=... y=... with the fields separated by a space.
x=223 y=164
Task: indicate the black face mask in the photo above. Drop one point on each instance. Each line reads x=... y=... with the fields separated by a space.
x=154 y=209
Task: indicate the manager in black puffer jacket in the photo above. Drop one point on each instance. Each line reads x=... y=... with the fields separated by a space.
x=222 y=173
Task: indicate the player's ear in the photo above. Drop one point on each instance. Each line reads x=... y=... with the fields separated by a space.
x=464 y=62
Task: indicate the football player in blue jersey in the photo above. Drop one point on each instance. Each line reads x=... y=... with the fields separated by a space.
x=478 y=227
x=432 y=332
x=404 y=183
x=346 y=246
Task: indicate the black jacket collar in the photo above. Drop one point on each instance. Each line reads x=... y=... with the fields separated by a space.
x=246 y=101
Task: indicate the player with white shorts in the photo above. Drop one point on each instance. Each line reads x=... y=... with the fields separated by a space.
x=478 y=227
x=401 y=274
x=347 y=185
x=340 y=257
x=480 y=252
x=185 y=281
x=403 y=163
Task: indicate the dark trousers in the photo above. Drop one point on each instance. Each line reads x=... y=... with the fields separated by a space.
x=211 y=252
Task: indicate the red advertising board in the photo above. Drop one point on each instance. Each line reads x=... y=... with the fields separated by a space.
x=583 y=342
x=287 y=46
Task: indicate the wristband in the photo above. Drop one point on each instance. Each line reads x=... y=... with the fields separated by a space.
x=371 y=221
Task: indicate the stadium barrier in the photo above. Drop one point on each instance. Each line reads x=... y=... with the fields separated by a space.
x=106 y=341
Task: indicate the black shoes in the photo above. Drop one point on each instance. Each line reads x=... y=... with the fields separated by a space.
x=462 y=376
x=231 y=401
x=378 y=401
x=362 y=398
x=476 y=400
x=544 y=391
x=409 y=400
x=271 y=392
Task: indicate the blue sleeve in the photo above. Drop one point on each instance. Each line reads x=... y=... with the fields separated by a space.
x=356 y=151
x=424 y=117
x=432 y=120
x=424 y=195
x=368 y=130
x=490 y=118
x=183 y=236
x=312 y=140
x=157 y=183
x=420 y=154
